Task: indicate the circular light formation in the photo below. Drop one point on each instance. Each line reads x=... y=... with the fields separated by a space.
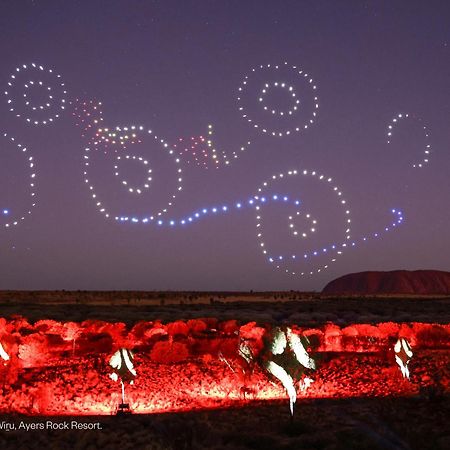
x=288 y=119
x=25 y=84
x=280 y=261
x=146 y=185
x=10 y=216
x=124 y=136
x=290 y=89
x=303 y=234
x=427 y=150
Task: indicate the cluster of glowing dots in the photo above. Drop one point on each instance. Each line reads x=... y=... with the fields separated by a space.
x=121 y=136
x=203 y=151
x=193 y=149
x=427 y=151
x=44 y=112
x=217 y=155
x=131 y=134
x=12 y=219
x=88 y=116
x=288 y=115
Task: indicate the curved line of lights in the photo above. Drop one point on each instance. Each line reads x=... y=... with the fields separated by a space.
x=332 y=250
x=426 y=153
x=12 y=218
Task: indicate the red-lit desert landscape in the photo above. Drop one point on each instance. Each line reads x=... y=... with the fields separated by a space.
x=194 y=389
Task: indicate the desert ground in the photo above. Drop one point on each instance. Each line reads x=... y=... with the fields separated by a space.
x=186 y=397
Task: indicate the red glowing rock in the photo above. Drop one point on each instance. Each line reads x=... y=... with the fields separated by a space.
x=418 y=282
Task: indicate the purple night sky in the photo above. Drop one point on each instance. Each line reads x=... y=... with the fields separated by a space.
x=175 y=67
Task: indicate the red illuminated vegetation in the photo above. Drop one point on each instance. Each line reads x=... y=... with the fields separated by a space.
x=61 y=368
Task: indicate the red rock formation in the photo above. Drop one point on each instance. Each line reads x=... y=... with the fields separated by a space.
x=417 y=282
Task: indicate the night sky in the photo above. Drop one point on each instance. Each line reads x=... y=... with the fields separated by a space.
x=175 y=67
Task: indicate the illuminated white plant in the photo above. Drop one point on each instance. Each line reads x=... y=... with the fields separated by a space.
x=403 y=355
x=123 y=367
x=3 y=353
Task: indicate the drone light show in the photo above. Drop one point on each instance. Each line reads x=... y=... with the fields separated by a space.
x=224 y=224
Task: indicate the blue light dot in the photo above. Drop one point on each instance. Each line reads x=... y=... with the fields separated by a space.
x=5 y=211
x=238 y=205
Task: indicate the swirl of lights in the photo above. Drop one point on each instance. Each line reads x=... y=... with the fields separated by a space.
x=12 y=219
x=22 y=85
x=333 y=252
x=287 y=119
x=426 y=153
x=121 y=137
